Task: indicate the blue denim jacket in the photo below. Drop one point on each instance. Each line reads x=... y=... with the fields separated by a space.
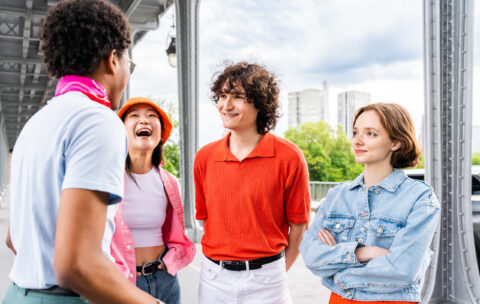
x=399 y=214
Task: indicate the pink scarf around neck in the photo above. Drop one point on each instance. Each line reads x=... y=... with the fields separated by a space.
x=92 y=89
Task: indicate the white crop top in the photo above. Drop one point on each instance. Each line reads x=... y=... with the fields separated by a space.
x=144 y=208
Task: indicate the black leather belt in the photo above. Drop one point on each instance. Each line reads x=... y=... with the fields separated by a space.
x=148 y=268
x=151 y=267
x=252 y=264
x=55 y=290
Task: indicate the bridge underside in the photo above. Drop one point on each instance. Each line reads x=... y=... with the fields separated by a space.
x=24 y=83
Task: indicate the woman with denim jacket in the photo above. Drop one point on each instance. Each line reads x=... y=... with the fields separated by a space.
x=149 y=244
x=370 y=239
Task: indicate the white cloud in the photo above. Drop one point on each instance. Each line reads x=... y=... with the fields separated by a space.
x=153 y=76
x=369 y=45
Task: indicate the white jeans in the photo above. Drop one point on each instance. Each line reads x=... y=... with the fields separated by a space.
x=259 y=286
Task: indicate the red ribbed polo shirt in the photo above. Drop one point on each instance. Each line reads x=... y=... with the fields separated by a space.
x=247 y=205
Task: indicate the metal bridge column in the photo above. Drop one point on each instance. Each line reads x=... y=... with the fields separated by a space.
x=4 y=151
x=187 y=55
x=453 y=275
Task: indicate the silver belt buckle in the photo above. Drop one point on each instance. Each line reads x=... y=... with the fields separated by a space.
x=146 y=265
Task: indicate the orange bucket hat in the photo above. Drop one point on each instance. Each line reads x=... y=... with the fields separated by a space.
x=166 y=124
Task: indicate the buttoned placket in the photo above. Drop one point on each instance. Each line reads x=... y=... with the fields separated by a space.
x=129 y=248
x=363 y=216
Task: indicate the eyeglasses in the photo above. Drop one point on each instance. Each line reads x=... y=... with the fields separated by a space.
x=132 y=65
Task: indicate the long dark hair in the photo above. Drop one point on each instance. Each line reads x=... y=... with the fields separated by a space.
x=157 y=155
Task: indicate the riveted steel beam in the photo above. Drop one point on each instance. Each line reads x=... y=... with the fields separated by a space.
x=17 y=87
x=20 y=12
x=453 y=274
x=27 y=74
x=132 y=8
x=16 y=59
x=17 y=37
x=26 y=43
x=187 y=54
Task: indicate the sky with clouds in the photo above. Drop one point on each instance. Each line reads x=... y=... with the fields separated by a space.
x=373 y=46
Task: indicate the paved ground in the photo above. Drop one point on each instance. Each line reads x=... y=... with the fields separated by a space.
x=304 y=286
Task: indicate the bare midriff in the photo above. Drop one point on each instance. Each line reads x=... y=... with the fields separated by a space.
x=147 y=254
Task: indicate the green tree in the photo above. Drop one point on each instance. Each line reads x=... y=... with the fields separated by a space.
x=343 y=159
x=171 y=153
x=476 y=158
x=421 y=162
x=171 y=150
x=328 y=153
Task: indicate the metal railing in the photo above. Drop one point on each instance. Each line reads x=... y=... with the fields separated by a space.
x=318 y=190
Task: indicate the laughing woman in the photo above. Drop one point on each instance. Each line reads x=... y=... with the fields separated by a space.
x=149 y=244
x=370 y=239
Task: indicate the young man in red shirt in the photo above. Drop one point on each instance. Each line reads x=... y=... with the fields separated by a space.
x=252 y=194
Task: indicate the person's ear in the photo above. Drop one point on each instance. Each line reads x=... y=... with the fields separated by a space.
x=396 y=145
x=112 y=61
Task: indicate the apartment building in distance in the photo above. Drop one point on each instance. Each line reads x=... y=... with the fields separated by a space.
x=309 y=105
x=348 y=102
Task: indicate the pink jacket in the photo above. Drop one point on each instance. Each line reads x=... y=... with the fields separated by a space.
x=181 y=250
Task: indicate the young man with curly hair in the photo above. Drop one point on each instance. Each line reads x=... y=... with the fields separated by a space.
x=68 y=164
x=251 y=192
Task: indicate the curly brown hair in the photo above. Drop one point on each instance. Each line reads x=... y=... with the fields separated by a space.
x=261 y=89
x=399 y=125
x=77 y=34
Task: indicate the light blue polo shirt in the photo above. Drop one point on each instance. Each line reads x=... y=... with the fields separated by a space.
x=72 y=142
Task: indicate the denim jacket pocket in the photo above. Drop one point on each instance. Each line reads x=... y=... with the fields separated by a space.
x=340 y=227
x=382 y=232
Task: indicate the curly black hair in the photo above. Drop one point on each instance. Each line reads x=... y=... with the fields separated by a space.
x=261 y=89
x=76 y=35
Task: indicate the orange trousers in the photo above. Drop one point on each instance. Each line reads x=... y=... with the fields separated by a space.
x=336 y=299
